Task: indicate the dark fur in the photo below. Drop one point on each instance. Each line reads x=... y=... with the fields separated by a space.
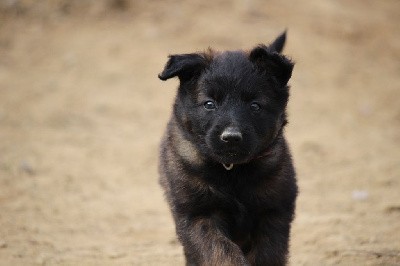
x=240 y=216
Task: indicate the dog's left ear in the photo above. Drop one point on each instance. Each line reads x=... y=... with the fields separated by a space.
x=272 y=63
x=184 y=66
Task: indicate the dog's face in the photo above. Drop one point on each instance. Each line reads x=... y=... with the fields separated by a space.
x=231 y=104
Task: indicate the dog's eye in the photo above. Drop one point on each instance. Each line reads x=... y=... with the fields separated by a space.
x=210 y=105
x=255 y=107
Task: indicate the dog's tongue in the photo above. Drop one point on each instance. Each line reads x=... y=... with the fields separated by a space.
x=228 y=166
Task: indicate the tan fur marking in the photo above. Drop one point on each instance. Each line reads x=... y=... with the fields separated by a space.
x=185 y=148
x=218 y=250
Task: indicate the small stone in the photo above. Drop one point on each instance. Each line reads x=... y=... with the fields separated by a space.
x=360 y=194
x=365 y=109
x=392 y=209
x=115 y=254
x=26 y=167
x=3 y=244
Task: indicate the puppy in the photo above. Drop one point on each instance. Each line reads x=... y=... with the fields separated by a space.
x=225 y=165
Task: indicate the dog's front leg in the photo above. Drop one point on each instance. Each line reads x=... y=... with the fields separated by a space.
x=206 y=244
x=270 y=244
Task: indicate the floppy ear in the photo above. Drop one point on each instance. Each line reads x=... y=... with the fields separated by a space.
x=183 y=66
x=279 y=43
x=272 y=63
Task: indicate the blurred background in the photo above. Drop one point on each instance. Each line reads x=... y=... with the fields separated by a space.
x=82 y=113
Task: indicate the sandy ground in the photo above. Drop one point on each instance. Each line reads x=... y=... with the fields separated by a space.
x=82 y=113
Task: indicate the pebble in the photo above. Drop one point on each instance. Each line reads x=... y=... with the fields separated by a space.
x=3 y=244
x=26 y=167
x=360 y=194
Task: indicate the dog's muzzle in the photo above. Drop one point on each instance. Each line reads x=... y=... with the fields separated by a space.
x=231 y=135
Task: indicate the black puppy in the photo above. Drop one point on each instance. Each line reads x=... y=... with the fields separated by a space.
x=225 y=166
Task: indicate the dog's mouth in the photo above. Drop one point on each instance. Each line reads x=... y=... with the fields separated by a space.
x=231 y=156
x=229 y=152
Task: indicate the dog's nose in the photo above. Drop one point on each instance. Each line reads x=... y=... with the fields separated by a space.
x=231 y=134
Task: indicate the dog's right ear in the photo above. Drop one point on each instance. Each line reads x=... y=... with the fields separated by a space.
x=184 y=66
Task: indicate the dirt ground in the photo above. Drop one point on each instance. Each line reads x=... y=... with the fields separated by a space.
x=82 y=113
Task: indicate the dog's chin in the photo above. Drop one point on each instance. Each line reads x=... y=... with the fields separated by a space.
x=230 y=157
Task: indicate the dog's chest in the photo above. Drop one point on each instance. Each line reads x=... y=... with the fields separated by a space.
x=239 y=213
x=238 y=199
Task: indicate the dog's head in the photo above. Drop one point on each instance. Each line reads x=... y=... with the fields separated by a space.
x=231 y=104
